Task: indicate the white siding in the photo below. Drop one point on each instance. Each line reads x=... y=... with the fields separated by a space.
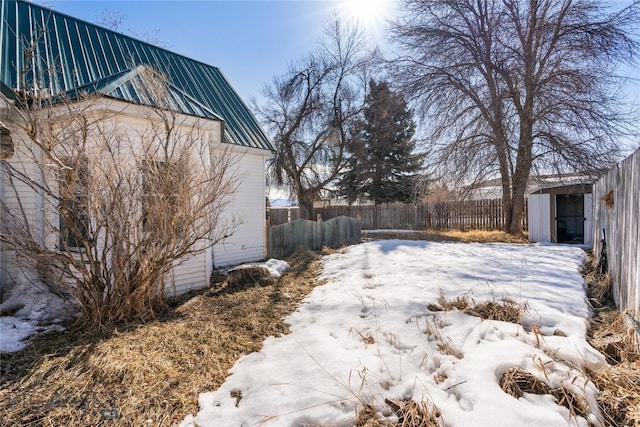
x=189 y=274
x=539 y=206
x=20 y=194
x=248 y=242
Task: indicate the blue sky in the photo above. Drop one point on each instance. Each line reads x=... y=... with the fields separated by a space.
x=250 y=41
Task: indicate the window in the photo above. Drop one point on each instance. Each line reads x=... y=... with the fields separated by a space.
x=6 y=143
x=74 y=203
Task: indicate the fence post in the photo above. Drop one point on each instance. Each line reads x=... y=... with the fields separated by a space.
x=266 y=238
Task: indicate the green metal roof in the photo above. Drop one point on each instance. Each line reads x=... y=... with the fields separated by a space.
x=69 y=55
x=139 y=86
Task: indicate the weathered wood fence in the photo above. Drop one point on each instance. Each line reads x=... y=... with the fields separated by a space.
x=464 y=214
x=616 y=199
x=284 y=239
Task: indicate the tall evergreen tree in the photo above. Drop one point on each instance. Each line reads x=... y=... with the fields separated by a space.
x=383 y=165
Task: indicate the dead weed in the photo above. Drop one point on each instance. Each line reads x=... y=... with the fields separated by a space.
x=148 y=373
x=619 y=383
x=415 y=414
x=516 y=381
x=505 y=309
x=465 y=236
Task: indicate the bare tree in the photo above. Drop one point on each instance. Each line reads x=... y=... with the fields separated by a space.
x=123 y=193
x=310 y=109
x=511 y=86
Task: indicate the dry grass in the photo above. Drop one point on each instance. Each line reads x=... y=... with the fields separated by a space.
x=409 y=412
x=148 y=373
x=415 y=414
x=619 y=383
x=516 y=381
x=466 y=236
x=619 y=398
x=504 y=310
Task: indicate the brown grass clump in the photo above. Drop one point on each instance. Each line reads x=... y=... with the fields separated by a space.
x=612 y=336
x=148 y=373
x=465 y=236
x=516 y=381
x=415 y=414
x=505 y=310
x=368 y=417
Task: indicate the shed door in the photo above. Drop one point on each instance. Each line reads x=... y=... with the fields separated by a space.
x=588 y=219
x=570 y=218
x=539 y=208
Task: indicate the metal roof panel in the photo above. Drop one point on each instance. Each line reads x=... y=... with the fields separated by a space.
x=69 y=54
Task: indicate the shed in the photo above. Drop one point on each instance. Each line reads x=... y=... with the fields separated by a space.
x=561 y=214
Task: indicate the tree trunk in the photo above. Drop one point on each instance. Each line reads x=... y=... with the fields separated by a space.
x=522 y=171
x=305 y=205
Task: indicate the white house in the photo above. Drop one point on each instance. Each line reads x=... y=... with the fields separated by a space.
x=50 y=55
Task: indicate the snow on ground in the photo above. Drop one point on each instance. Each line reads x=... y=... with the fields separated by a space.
x=367 y=335
x=34 y=310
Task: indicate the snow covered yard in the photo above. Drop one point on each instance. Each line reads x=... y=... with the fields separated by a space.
x=374 y=334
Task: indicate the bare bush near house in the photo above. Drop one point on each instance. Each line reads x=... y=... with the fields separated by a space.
x=513 y=86
x=119 y=205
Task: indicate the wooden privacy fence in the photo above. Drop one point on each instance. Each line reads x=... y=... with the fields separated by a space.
x=284 y=239
x=463 y=214
x=616 y=198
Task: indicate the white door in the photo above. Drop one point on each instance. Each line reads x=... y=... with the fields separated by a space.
x=588 y=219
x=539 y=215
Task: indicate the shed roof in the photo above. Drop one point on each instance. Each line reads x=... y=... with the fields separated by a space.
x=61 y=55
x=577 y=188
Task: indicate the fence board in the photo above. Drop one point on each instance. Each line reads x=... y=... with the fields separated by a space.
x=284 y=239
x=464 y=214
x=620 y=223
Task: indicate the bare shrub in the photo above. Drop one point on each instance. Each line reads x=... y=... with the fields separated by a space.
x=124 y=193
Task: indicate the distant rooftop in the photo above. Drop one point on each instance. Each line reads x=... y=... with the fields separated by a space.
x=61 y=55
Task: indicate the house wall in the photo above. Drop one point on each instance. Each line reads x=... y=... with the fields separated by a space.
x=247 y=204
x=249 y=207
x=31 y=207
